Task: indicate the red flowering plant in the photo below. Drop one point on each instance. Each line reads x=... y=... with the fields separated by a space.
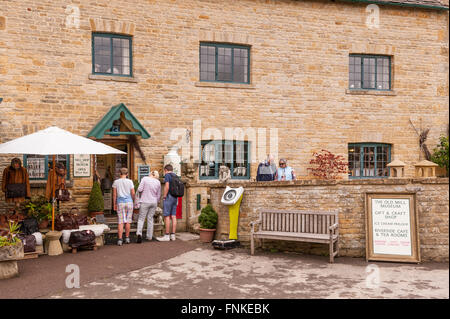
x=328 y=165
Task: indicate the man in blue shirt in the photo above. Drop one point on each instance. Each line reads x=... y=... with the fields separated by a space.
x=169 y=206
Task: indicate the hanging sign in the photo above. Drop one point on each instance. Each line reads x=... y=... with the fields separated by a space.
x=391 y=227
x=143 y=170
x=81 y=165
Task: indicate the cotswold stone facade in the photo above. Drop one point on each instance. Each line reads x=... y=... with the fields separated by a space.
x=298 y=85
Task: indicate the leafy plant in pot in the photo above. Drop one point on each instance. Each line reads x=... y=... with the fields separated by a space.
x=208 y=221
x=96 y=203
x=39 y=208
x=11 y=246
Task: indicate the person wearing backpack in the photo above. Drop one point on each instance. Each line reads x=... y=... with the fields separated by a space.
x=173 y=189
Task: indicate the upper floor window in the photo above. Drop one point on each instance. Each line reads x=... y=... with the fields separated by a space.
x=233 y=154
x=224 y=63
x=369 y=72
x=38 y=166
x=111 y=54
x=368 y=160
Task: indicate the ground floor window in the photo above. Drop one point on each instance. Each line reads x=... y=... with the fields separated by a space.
x=233 y=154
x=368 y=160
x=39 y=165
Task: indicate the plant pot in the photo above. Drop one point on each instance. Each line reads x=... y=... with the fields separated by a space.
x=206 y=235
x=43 y=224
x=14 y=252
x=93 y=214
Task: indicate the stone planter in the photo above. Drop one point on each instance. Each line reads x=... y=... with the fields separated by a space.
x=206 y=235
x=8 y=260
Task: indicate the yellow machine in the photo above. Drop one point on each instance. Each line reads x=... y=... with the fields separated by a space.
x=232 y=197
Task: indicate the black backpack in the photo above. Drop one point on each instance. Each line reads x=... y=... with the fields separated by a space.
x=176 y=187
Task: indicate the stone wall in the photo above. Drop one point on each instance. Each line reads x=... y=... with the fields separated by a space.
x=347 y=197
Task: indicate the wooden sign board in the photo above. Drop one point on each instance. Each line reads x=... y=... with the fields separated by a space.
x=143 y=170
x=392 y=227
x=81 y=165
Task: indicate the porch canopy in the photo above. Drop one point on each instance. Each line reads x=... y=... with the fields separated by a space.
x=129 y=125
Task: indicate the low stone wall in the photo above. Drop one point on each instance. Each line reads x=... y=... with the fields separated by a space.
x=347 y=197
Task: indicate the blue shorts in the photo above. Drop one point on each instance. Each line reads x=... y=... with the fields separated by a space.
x=170 y=206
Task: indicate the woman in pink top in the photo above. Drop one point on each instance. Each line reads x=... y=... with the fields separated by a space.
x=150 y=195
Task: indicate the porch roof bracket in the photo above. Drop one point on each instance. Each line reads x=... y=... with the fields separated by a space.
x=113 y=114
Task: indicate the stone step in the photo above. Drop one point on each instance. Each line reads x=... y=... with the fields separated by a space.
x=111 y=236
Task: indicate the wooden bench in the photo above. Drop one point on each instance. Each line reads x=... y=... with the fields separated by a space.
x=306 y=226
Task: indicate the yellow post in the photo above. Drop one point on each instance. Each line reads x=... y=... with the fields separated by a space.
x=53 y=193
x=233 y=211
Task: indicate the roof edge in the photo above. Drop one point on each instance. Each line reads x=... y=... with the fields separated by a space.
x=392 y=3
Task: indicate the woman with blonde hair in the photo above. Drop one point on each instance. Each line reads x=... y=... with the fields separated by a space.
x=150 y=195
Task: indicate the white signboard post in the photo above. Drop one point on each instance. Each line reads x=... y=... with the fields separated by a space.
x=391 y=226
x=81 y=165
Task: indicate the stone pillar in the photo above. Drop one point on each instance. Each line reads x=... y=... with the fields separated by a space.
x=396 y=169
x=425 y=169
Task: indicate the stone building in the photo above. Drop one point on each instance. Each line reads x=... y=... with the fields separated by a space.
x=226 y=82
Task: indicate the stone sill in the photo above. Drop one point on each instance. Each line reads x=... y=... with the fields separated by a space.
x=225 y=85
x=370 y=92
x=112 y=78
x=317 y=182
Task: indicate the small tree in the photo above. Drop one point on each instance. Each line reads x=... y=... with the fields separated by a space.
x=96 y=203
x=208 y=218
x=328 y=165
x=440 y=153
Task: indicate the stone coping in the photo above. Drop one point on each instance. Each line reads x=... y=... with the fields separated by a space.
x=318 y=182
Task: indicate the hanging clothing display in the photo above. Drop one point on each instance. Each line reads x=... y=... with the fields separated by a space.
x=15 y=182
x=59 y=182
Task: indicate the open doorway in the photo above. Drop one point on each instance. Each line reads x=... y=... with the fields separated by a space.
x=108 y=169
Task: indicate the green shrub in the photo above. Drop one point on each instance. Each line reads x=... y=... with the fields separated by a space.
x=136 y=185
x=440 y=153
x=208 y=218
x=96 y=203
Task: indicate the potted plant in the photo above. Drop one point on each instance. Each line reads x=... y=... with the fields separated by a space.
x=11 y=249
x=208 y=221
x=96 y=203
x=39 y=208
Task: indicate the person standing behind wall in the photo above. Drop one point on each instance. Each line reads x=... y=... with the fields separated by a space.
x=169 y=206
x=284 y=172
x=150 y=189
x=123 y=199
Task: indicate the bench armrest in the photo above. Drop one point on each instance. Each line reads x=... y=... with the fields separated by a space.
x=252 y=224
x=334 y=226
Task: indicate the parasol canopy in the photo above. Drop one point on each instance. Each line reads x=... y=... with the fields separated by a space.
x=55 y=141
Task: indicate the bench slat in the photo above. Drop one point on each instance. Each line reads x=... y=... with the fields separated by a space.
x=286 y=235
x=310 y=212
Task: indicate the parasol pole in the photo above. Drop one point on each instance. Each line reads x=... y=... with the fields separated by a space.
x=53 y=193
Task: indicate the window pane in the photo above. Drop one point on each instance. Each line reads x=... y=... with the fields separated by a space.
x=208 y=165
x=36 y=166
x=240 y=162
